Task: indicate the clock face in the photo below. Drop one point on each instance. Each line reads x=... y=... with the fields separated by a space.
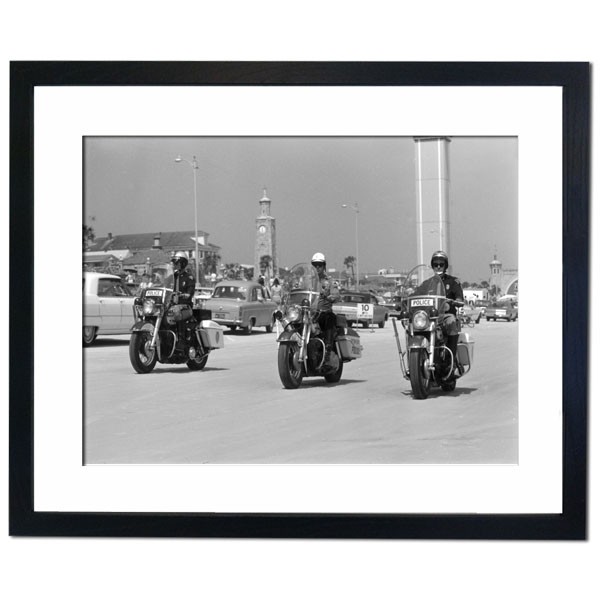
x=262 y=229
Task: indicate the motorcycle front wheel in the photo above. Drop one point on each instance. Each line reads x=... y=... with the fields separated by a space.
x=420 y=379
x=290 y=375
x=142 y=357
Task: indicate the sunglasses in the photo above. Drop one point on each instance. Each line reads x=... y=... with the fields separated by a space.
x=439 y=264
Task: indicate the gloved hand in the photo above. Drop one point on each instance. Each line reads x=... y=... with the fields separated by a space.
x=175 y=298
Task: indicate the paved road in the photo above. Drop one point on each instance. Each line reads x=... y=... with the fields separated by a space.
x=236 y=410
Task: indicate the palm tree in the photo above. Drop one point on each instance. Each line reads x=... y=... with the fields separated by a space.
x=232 y=271
x=349 y=263
x=265 y=266
x=88 y=236
x=211 y=262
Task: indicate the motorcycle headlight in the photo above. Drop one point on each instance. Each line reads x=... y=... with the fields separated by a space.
x=293 y=314
x=148 y=307
x=420 y=320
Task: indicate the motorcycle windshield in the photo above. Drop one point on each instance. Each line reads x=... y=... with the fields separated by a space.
x=422 y=282
x=300 y=283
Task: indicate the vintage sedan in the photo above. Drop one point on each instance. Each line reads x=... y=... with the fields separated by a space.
x=201 y=294
x=107 y=306
x=243 y=304
x=353 y=305
x=501 y=310
x=394 y=306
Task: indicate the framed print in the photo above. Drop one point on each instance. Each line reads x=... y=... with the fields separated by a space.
x=243 y=170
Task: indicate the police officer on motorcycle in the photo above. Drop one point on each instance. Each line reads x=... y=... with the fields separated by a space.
x=454 y=291
x=184 y=286
x=329 y=294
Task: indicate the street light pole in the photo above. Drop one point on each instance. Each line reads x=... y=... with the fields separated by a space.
x=356 y=211
x=194 y=165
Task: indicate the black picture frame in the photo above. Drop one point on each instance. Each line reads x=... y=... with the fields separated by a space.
x=571 y=524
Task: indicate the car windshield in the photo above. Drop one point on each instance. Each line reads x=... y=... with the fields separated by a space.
x=113 y=287
x=359 y=298
x=230 y=291
x=422 y=281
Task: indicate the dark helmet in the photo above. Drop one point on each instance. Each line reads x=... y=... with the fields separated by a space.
x=180 y=258
x=439 y=255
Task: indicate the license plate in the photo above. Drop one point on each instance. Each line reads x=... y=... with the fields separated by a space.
x=422 y=302
x=219 y=315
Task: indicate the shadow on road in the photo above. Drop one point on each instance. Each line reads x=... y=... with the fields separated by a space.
x=177 y=369
x=106 y=342
x=439 y=393
x=317 y=382
x=255 y=332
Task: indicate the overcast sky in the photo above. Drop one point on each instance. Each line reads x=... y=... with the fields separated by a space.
x=134 y=185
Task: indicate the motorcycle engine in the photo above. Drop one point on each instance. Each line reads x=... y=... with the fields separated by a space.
x=316 y=350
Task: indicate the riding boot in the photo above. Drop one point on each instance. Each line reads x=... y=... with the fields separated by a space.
x=329 y=333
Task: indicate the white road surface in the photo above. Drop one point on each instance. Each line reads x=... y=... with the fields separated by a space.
x=236 y=410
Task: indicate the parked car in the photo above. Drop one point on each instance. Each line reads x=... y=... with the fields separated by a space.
x=201 y=294
x=470 y=315
x=107 y=306
x=351 y=303
x=393 y=304
x=501 y=310
x=243 y=304
x=481 y=305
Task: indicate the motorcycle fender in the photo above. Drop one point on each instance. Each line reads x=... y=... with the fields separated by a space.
x=417 y=341
x=289 y=337
x=142 y=325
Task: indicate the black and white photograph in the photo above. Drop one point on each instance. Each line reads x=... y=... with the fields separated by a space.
x=236 y=232
x=333 y=338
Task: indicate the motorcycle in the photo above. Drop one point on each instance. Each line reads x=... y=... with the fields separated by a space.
x=170 y=333
x=301 y=351
x=427 y=361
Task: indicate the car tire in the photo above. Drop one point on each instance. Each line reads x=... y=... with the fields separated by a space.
x=89 y=334
x=248 y=329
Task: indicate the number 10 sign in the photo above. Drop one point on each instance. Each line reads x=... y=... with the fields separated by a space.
x=365 y=311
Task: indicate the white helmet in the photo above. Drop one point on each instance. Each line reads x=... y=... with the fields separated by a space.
x=318 y=258
x=180 y=258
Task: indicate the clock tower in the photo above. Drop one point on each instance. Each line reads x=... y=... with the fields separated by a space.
x=265 y=245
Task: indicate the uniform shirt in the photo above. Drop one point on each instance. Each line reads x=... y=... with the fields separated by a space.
x=330 y=293
x=454 y=290
x=184 y=283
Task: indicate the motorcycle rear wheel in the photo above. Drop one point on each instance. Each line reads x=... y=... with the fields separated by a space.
x=336 y=375
x=143 y=359
x=290 y=376
x=197 y=364
x=420 y=379
x=448 y=386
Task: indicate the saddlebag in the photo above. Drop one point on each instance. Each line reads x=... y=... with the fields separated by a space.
x=465 y=350
x=349 y=343
x=211 y=334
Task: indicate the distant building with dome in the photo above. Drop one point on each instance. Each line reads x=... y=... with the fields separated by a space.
x=505 y=280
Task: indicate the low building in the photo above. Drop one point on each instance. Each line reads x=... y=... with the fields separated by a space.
x=150 y=253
